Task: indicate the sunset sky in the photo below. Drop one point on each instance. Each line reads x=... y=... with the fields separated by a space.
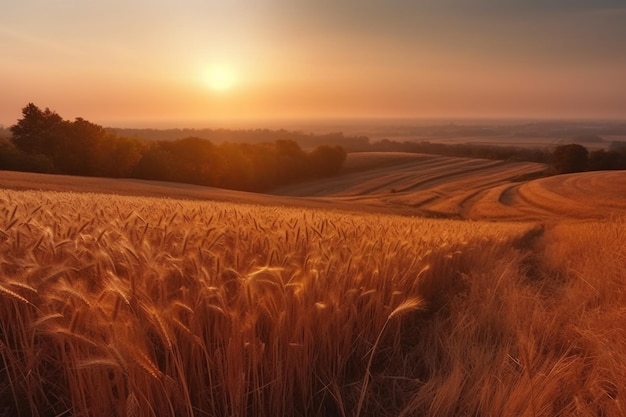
x=206 y=63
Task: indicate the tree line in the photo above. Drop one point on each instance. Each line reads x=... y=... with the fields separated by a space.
x=42 y=141
x=576 y=158
x=562 y=159
x=512 y=153
x=217 y=136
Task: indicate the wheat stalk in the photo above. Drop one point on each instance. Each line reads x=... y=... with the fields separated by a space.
x=406 y=306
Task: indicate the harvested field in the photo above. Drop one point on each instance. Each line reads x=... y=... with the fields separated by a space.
x=448 y=187
x=589 y=195
x=417 y=184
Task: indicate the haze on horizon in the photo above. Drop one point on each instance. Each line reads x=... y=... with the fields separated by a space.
x=189 y=62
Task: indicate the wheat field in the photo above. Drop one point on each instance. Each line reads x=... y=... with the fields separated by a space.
x=390 y=182
x=138 y=306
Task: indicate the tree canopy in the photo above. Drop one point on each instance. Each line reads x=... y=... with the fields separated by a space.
x=570 y=158
x=37 y=131
x=80 y=147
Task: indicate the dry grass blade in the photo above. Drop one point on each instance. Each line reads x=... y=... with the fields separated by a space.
x=13 y=295
x=406 y=306
x=145 y=363
x=97 y=362
x=46 y=319
x=133 y=409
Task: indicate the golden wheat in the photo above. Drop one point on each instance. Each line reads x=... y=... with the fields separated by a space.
x=117 y=305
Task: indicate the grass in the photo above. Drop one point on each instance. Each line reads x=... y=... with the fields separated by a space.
x=133 y=306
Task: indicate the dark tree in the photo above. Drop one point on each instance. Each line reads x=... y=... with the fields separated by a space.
x=606 y=160
x=235 y=170
x=157 y=163
x=37 y=132
x=119 y=156
x=77 y=147
x=327 y=160
x=291 y=161
x=570 y=158
x=13 y=159
x=194 y=160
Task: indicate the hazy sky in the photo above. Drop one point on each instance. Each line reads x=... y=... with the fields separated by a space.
x=188 y=62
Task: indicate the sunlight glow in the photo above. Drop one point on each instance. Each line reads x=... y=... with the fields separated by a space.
x=221 y=78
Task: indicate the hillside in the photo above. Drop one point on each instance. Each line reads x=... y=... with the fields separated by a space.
x=400 y=183
x=465 y=188
x=137 y=298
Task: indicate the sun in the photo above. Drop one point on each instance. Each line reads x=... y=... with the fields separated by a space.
x=221 y=78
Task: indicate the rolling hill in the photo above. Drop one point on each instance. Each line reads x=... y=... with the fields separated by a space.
x=137 y=298
x=400 y=183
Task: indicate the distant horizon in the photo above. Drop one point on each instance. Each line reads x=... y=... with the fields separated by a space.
x=355 y=121
x=327 y=123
